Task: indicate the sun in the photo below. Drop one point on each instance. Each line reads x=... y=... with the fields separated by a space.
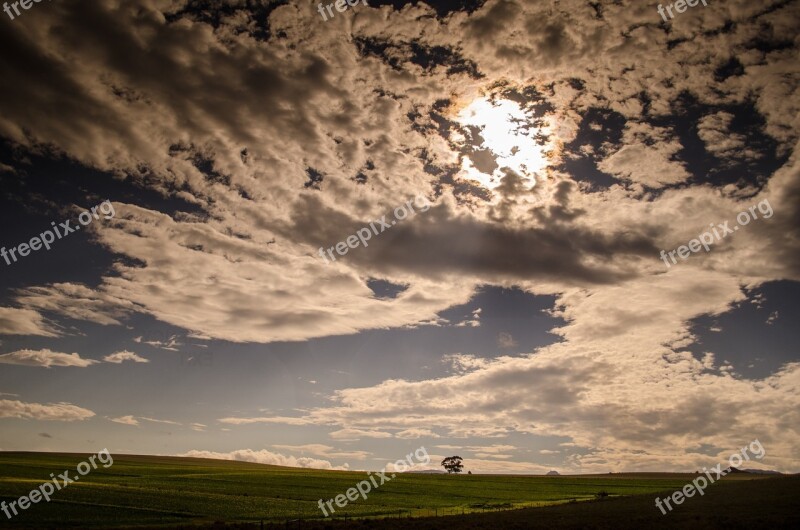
x=507 y=132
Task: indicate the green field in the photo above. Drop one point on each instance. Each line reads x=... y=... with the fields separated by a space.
x=154 y=491
x=734 y=505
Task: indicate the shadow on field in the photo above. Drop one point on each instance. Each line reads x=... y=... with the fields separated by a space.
x=750 y=504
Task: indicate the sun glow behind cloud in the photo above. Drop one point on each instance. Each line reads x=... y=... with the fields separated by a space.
x=507 y=132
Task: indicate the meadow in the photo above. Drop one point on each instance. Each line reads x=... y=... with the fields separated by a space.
x=169 y=492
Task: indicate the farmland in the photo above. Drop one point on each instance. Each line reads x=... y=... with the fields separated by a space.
x=168 y=492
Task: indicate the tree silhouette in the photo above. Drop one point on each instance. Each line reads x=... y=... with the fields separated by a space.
x=453 y=464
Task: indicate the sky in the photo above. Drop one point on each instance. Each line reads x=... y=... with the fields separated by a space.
x=540 y=235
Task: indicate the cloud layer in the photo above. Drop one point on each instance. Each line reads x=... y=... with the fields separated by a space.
x=279 y=139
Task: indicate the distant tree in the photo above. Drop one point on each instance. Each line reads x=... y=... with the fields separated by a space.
x=453 y=464
x=469 y=472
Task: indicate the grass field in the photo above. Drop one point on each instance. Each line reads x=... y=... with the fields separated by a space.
x=733 y=505
x=166 y=491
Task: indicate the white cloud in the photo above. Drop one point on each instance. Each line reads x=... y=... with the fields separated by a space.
x=324 y=450
x=41 y=411
x=154 y=420
x=772 y=318
x=462 y=362
x=45 y=358
x=357 y=434
x=24 y=322
x=135 y=420
x=265 y=457
x=126 y=420
x=412 y=434
x=77 y=302
x=646 y=157
x=287 y=420
x=714 y=131
x=474 y=322
x=122 y=356
x=493 y=455
x=170 y=344
x=493 y=449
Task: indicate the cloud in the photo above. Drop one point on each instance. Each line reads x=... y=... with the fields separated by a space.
x=235 y=237
x=714 y=130
x=24 y=322
x=121 y=356
x=45 y=358
x=493 y=455
x=404 y=466
x=220 y=97
x=287 y=420
x=45 y=412
x=506 y=340
x=153 y=420
x=77 y=302
x=265 y=457
x=490 y=452
x=134 y=420
x=412 y=434
x=324 y=450
x=474 y=322
x=169 y=344
x=492 y=449
x=461 y=362
x=126 y=420
x=646 y=157
x=588 y=388
x=356 y=434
